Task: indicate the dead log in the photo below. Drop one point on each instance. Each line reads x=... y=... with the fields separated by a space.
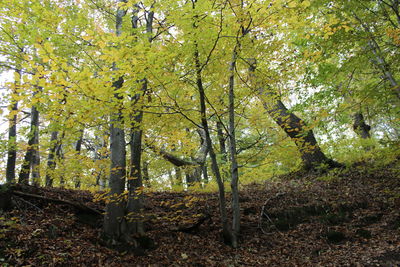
x=79 y=206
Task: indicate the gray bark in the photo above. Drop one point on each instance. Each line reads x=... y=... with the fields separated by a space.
x=51 y=163
x=226 y=231
x=311 y=154
x=233 y=156
x=12 y=134
x=30 y=154
x=135 y=182
x=114 y=226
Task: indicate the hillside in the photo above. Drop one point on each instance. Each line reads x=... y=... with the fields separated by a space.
x=343 y=218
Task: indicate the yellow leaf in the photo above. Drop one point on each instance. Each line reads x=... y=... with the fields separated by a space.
x=306 y=3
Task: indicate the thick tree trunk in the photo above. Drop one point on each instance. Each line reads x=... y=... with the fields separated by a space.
x=12 y=132
x=360 y=127
x=36 y=159
x=51 y=162
x=31 y=150
x=310 y=152
x=135 y=184
x=296 y=129
x=114 y=227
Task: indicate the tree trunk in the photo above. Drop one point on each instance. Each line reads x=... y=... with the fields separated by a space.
x=12 y=132
x=232 y=150
x=51 y=163
x=114 y=226
x=36 y=158
x=135 y=182
x=146 y=177
x=360 y=127
x=311 y=154
x=31 y=150
x=226 y=231
x=78 y=148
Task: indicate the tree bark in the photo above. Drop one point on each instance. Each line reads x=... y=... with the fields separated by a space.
x=360 y=127
x=32 y=147
x=78 y=148
x=311 y=154
x=146 y=177
x=12 y=132
x=226 y=231
x=232 y=150
x=51 y=162
x=135 y=182
x=114 y=227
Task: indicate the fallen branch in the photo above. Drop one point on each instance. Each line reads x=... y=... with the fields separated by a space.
x=191 y=228
x=78 y=206
x=265 y=214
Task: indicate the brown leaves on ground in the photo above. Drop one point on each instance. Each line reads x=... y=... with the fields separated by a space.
x=347 y=218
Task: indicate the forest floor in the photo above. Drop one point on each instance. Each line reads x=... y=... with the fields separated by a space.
x=343 y=218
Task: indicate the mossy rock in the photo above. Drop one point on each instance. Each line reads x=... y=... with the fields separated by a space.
x=335 y=236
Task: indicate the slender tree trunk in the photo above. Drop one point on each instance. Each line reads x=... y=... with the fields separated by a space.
x=205 y=174
x=78 y=148
x=221 y=140
x=31 y=150
x=146 y=177
x=226 y=231
x=12 y=131
x=60 y=156
x=232 y=150
x=51 y=162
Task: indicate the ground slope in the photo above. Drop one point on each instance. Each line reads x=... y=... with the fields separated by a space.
x=345 y=218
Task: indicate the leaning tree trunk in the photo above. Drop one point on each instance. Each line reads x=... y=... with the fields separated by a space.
x=12 y=132
x=31 y=150
x=311 y=154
